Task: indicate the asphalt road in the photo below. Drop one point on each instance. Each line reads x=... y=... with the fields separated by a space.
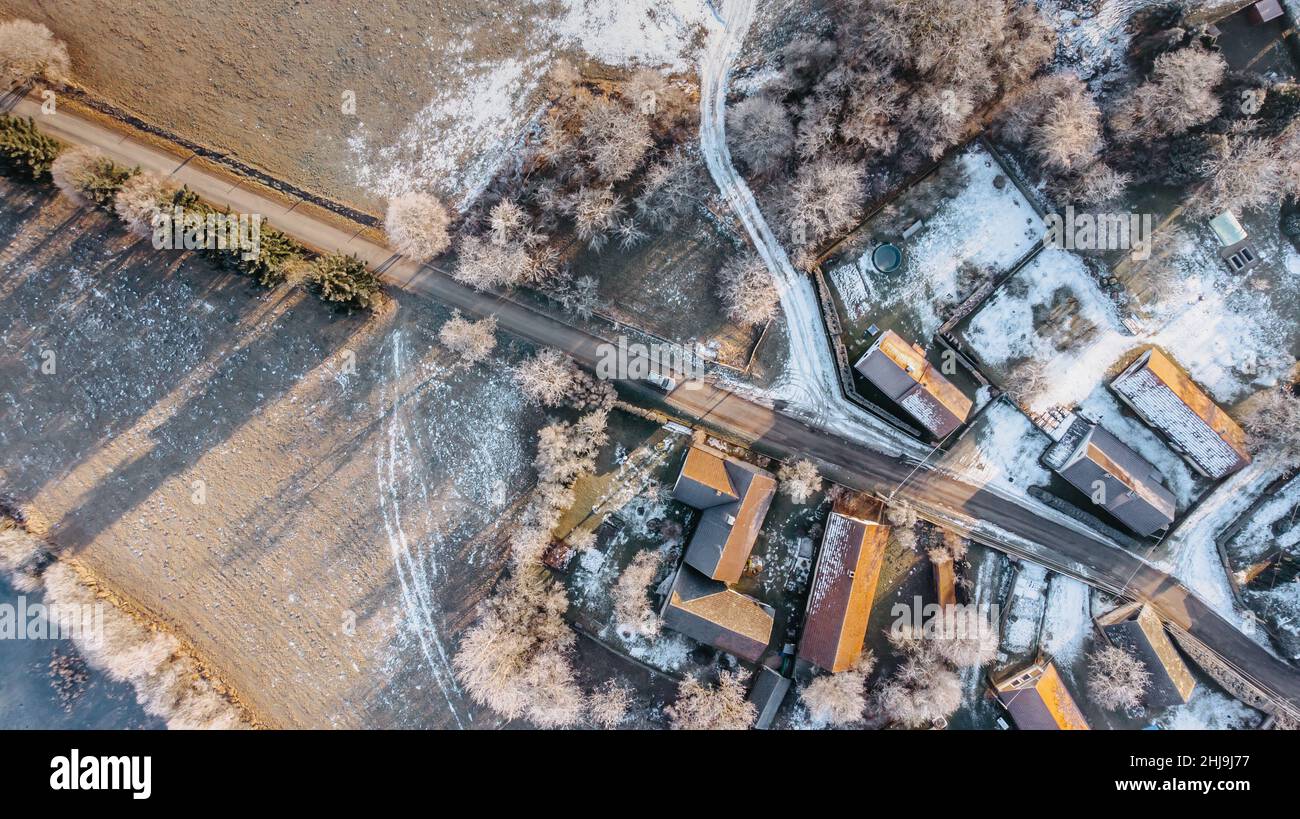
x=1021 y=530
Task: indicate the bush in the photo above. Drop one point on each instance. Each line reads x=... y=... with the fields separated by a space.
x=24 y=149
x=89 y=178
x=347 y=281
x=417 y=225
x=473 y=341
x=28 y=51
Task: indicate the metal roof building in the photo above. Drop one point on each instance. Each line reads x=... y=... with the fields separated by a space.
x=1158 y=391
x=709 y=612
x=734 y=497
x=1121 y=481
x=1136 y=628
x=1038 y=701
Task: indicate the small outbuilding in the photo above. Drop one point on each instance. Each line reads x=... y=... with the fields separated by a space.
x=1038 y=700
x=767 y=694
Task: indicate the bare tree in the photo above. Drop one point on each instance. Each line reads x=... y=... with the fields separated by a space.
x=1272 y=417
x=718 y=708
x=139 y=201
x=616 y=138
x=546 y=378
x=800 y=480
x=608 y=705
x=839 y=699
x=515 y=659
x=923 y=689
x=1246 y=173
x=903 y=519
x=28 y=51
x=747 y=291
x=1179 y=95
x=417 y=225
x=1116 y=678
x=633 y=615
x=824 y=201
x=761 y=133
x=965 y=637
x=473 y=341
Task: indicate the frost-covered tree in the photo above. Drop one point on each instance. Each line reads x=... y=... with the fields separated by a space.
x=824 y=201
x=761 y=134
x=633 y=615
x=1179 y=95
x=417 y=225
x=1116 y=678
x=839 y=699
x=616 y=137
x=747 y=291
x=473 y=341
x=965 y=637
x=923 y=689
x=1245 y=173
x=723 y=707
x=546 y=378
x=608 y=705
x=515 y=659
x=800 y=479
x=139 y=201
x=88 y=177
x=903 y=519
x=1272 y=417
x=29 y=51
x=1059 y=122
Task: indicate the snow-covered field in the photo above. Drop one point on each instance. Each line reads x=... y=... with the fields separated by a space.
x=978 y=227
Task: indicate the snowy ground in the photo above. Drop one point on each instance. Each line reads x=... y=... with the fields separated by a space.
x=972 y=231
x=1227 y=335
x=1002 y=447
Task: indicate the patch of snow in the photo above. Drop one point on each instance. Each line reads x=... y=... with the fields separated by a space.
x=1068 y=622
x=1003 y=447
x=1209 y=711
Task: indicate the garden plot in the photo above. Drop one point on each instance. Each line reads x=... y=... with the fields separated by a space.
x=975 y=226
x=1051 y=335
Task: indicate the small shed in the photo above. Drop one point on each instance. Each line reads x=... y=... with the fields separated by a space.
x=767 y=694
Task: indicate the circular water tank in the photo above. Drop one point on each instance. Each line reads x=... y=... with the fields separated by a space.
x=886 y=258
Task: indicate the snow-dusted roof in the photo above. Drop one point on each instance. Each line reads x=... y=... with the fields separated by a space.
x=843 y=589
x=1157 y=390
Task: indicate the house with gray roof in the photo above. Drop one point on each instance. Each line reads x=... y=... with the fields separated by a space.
x=734 y=497
x=1136 y=628
x=708 y=611
x=1115 y=477
x=901 y=371
x=767 y=694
